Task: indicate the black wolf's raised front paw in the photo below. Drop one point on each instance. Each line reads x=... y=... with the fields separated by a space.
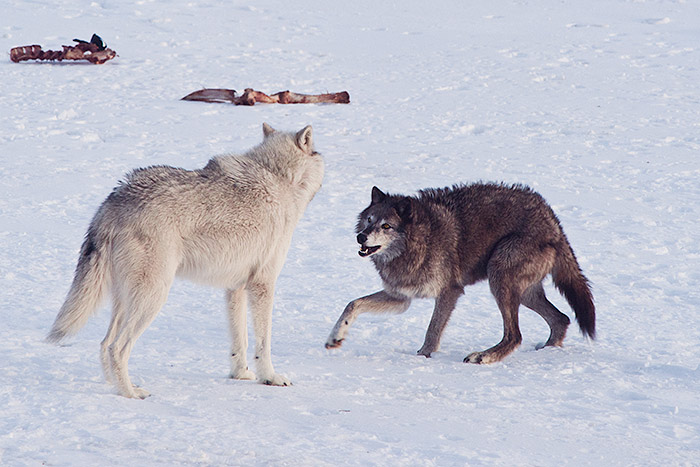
x=334 y=343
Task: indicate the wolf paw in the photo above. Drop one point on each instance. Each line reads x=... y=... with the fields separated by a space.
x=136 y=393
x=141 y=393
x=276 y=380
x=425 y=353
x=334 y=343
x=479 y=358
x=550 y=343
x=242 y=374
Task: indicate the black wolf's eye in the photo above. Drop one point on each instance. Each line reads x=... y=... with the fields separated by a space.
x=386 y=226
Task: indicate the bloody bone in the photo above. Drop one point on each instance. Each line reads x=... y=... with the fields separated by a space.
x=94 y=51
x=250 y=97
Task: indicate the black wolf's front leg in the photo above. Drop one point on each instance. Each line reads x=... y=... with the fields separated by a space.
x=444 y=304
x=379 y=302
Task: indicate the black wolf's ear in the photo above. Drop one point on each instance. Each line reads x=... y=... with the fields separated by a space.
x=404 y=209
x=305 y=139
x=267 y=130
x=377 y=195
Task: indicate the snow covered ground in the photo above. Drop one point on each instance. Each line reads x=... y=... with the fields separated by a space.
x=595 y=104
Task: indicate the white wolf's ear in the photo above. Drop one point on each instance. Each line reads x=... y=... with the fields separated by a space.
x=305 y=139
x=267 y=130
x=377 y=195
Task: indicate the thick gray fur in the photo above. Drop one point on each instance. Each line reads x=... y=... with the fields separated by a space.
x=227 y=225
x=434 y=244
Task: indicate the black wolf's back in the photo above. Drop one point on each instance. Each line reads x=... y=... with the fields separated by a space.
x=489 y=212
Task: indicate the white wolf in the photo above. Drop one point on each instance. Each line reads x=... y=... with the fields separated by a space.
x=228 y=225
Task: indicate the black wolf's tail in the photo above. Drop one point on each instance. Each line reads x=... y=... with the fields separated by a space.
x=86 y=292
x=571 y=282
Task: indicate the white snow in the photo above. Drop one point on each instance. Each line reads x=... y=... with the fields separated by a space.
x=595 y=104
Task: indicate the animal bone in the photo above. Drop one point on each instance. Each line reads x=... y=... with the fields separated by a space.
x=250 y=97
x=94 y=51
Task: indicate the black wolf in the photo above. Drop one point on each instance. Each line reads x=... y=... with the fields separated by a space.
x=436 y=243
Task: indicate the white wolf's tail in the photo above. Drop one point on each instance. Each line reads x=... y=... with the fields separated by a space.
x=86 y=292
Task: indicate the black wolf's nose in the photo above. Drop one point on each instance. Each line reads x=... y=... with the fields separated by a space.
x=361 y=238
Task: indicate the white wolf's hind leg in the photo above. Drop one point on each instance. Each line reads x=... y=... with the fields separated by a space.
x=114 y=326
x=236 y=305
x=119 y=359
x=144 y=303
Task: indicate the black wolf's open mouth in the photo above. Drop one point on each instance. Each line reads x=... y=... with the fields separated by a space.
x=368 y=250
